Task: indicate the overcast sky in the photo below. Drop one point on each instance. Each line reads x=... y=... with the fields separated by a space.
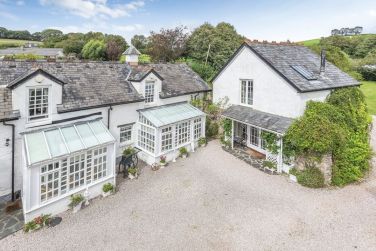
x=270 y=20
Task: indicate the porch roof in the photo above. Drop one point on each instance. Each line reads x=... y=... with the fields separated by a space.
x=55 y=142
x=247 y=115
x=170 y=114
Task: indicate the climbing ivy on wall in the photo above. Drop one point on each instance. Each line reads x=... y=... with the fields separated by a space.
x=271 y=141
x=339 y=127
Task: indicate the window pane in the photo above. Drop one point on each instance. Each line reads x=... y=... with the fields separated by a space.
x=56 y=143
x=37 y=147
x=73 y=140
x=100 y=131
x=87 y=135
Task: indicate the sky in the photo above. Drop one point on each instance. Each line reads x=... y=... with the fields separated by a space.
x=278 y=20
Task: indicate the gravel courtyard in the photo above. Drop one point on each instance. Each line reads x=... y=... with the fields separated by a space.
x=214 y=201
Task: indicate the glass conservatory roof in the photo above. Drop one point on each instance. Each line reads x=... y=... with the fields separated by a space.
x=170 y=114
x=51 y=143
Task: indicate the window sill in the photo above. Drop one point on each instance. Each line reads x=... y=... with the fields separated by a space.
x=38 y=122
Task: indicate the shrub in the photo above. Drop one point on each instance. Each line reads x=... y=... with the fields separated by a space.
x=212 y=128
x=311 y=177
x=202 y=141
x=269 y=164
x=162 y=159
x=108 y=187
x=37 y=223
x=132 y=171
x=76 y=200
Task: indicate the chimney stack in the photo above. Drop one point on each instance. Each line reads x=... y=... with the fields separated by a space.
x=323 y=61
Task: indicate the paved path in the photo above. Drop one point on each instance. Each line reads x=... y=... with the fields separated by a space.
x=214 y=201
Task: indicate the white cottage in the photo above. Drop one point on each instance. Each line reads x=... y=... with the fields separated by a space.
x=267 y=86
x=63 y=124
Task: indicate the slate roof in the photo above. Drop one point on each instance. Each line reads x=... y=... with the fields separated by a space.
x=46 y=52
x=178 y=79
x=6 y=112
x=258 y=118
x=86 y=85
x=281 y=58
x=131 y=51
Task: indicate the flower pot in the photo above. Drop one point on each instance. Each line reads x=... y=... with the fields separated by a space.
x=293 y=178
x=105 y=194
x=184 y=156
x=162 y=164
x=77 y=207
x=131 y=176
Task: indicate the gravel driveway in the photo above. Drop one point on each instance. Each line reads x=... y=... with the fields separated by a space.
x=214 y=201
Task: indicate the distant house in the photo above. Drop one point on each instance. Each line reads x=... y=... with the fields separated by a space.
x=267 y=86
x=347 y=31
x=68 y=122
x=44 y=52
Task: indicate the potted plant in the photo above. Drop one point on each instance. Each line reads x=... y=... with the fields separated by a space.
x=202 y=141
x=128 y=151
x=155 y=167
x=183 y=152
x=162 y=161
x=76 y=202
x=37 y=223
x=107 y=189
x=132 y=173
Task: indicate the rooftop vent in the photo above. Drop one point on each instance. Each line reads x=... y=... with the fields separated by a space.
x=304 y=72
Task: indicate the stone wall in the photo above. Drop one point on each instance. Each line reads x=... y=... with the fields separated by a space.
x=325 y=166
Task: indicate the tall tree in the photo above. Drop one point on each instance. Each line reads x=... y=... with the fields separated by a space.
x=94 y=50
x=140 y=42
x=222 y=39
x=113 y=50
x=168 y=45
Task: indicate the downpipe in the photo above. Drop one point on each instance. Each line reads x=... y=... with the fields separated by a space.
x=13 y=143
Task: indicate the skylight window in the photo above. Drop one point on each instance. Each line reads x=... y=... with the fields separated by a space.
x=304 y=72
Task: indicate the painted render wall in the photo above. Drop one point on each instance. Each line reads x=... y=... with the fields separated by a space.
x=120 y=115
x=271 y=93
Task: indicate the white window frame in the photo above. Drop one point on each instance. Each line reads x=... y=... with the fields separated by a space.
x=182 y=133
x=167 y=138
x=197 y=128
x=246 y=92
x=91 y=168
x=146 y=138
x=254 y=139
x=125 y=134
x=149 y=92
x=42 y=116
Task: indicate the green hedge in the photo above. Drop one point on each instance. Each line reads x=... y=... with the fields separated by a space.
x=311 y=177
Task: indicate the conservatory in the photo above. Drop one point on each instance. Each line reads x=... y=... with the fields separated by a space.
x=62 y=161
x=163 y=130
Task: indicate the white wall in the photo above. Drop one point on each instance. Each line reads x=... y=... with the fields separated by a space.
x=5 y=160
x=271 y=93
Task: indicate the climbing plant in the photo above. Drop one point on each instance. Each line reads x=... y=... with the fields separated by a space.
x=227 y=127
x=271 y=141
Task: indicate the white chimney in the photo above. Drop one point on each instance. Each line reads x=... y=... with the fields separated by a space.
x=131 y=55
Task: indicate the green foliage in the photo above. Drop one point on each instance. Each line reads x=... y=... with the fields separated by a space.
x=94 y=50
x=227 y=127
x=212 y=127
x=205 y=71
x=30 y=57
x=269 y=164
x=338 y=127
x=128 y=151
x=108 y=187
x=140 y=42
x=37 y=223
x=271 y=141
x=183 y=151
x=202 y=141
x=310 y=177
x=369 y=90
x=223 y=40
x=132 y=171
x=316 y=132
x=75 y=200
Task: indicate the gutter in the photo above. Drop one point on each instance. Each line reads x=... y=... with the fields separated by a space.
x=13 y=143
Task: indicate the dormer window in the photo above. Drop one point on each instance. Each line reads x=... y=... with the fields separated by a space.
x=38 y=103
x=246 y=92
x=149 y=92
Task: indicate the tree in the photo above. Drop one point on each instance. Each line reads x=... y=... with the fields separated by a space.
x=94 y=50
x=113 y=50
x=223 y=40
x=140 y=42
x=168 y=45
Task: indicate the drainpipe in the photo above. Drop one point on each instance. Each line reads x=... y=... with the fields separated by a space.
x=13 y=140
x=109 y=116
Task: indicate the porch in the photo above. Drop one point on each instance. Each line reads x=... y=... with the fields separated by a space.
x=247 y=141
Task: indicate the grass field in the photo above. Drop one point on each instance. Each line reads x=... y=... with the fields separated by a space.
x=369 y=90
x=310 y=42
x=15 y=42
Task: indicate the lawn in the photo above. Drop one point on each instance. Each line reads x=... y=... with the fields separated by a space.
x=14 y=42
x=369 y=90
x=311 y=42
